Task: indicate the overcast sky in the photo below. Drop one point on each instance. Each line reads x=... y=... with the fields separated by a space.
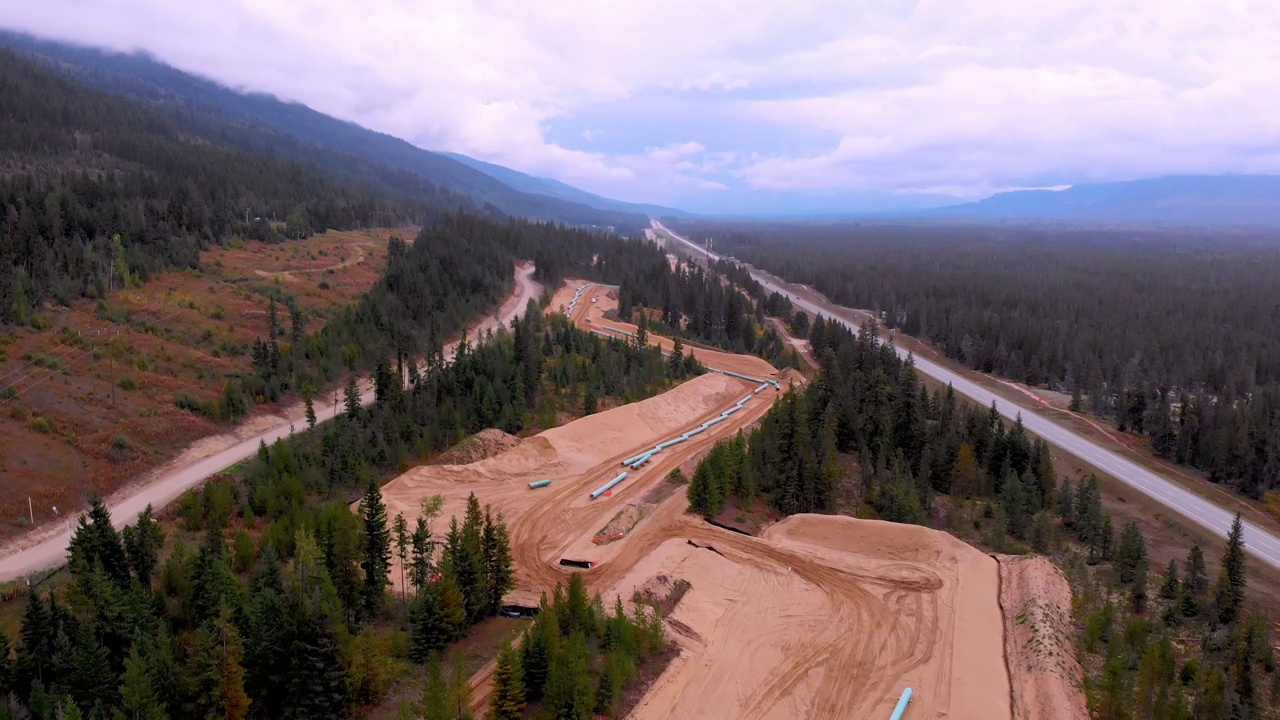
x=719 y=103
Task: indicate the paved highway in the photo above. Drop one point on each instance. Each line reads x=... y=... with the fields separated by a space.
x=1259 y=542
x=171 y=484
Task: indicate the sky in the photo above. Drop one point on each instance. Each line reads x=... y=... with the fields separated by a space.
x=720 y=105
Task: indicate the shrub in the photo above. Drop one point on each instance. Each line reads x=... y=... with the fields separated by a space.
x=40 y=425
x=127 y=383
x=324 y=285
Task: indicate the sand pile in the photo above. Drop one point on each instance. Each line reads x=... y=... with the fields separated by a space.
x=483 y=445
x=825 y=617
x=1043 y=669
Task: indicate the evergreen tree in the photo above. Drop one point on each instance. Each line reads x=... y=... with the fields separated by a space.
x=316 y=683
x=434 y=703
x=351 y=399
x=220 y=676
x=1228 y=592
x=1170 y=586
x=376 y=557
x=507 y=700
x=310 y=412
x=420 y=565
x=569 y=686
x=497 y=560
x=1196 y=582
x=429 y=630
x=138 y=700
x=541 y=642
x=401 y=528
x=588 y=402
x=142 y=543
x=1066 y=506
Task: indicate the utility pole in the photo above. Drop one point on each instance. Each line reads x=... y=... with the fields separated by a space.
x=31 y=511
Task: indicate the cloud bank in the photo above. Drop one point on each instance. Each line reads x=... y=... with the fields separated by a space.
x=716 y=103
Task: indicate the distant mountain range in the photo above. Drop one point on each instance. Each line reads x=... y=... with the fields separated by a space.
x=353 y=148
x=1186 y=199
x=262 y=123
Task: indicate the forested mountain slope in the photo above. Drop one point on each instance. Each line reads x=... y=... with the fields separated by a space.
x=261 y=123
x=97 y=191
x=1173 y=334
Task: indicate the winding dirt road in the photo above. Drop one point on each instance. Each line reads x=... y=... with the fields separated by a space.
x=49 y=548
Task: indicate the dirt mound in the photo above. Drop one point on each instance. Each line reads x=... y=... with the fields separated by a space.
x=869 y=537
x=1043 y=669
x=481 y=446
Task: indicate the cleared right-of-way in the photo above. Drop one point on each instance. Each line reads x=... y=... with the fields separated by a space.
x=1259 y=542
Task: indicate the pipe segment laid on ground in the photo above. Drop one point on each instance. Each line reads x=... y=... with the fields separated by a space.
x=902 y=705
x=539 y=484
x=607 y=486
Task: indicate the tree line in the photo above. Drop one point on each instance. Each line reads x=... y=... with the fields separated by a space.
x=100 y=192
x=911 y=445
x=1174 y=645
x=1170 y=333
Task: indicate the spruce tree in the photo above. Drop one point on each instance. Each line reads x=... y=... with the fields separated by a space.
x=402 y=550
x=497 y=560
x=507 y=701
x=429 y=630
x=569 y=688
x=420 y=564
x=1066 y=506
x=1169 y=584
x=351 y=399
x=221 y=679
x=541 y=642
x=138 y=699
x=1228 y=594
x=310 y=412
x=142 y=543
x=1197 y=579
x=376 y=555
x=434 y=703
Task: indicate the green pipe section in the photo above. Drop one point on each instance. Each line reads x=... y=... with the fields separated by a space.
x=539 y=484
x=902 y=705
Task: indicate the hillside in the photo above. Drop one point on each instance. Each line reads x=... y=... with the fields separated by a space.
x=1190 y=199
x=256 y=122
x=554 y=188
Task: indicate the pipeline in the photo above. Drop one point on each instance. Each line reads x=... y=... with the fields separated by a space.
x=620 y=330
x=762 y=387
x=902 y=705
x=608 y=486
x=539 y=484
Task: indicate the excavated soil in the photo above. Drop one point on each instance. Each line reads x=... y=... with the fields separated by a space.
x=821 y=617
x=483 y=445
x=1042 y=664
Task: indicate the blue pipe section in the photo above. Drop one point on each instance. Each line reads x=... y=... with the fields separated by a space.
x=902 y=705
x=607 y=486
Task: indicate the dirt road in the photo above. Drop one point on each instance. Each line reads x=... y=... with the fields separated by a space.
x=48 y=549
x=821 y=617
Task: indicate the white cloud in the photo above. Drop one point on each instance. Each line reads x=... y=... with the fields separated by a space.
x=960 y=95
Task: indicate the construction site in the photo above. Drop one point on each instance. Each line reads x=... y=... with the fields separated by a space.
x=817 y=617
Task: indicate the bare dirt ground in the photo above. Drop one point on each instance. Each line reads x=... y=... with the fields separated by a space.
x=828 y=617
x=1038 y=640
x=93 y=406
x=46 y=546
x=822 y=617
x=589 y=315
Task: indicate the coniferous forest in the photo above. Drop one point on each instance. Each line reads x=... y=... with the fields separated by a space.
x=1156 y=643
x=1169 y=332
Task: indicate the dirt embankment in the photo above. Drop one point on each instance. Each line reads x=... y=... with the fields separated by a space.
x=1044 y=673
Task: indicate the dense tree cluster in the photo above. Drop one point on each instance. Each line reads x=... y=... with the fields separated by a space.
x=99 y=192
x=911 y=444
x=575 y=660
x=1169 y=332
